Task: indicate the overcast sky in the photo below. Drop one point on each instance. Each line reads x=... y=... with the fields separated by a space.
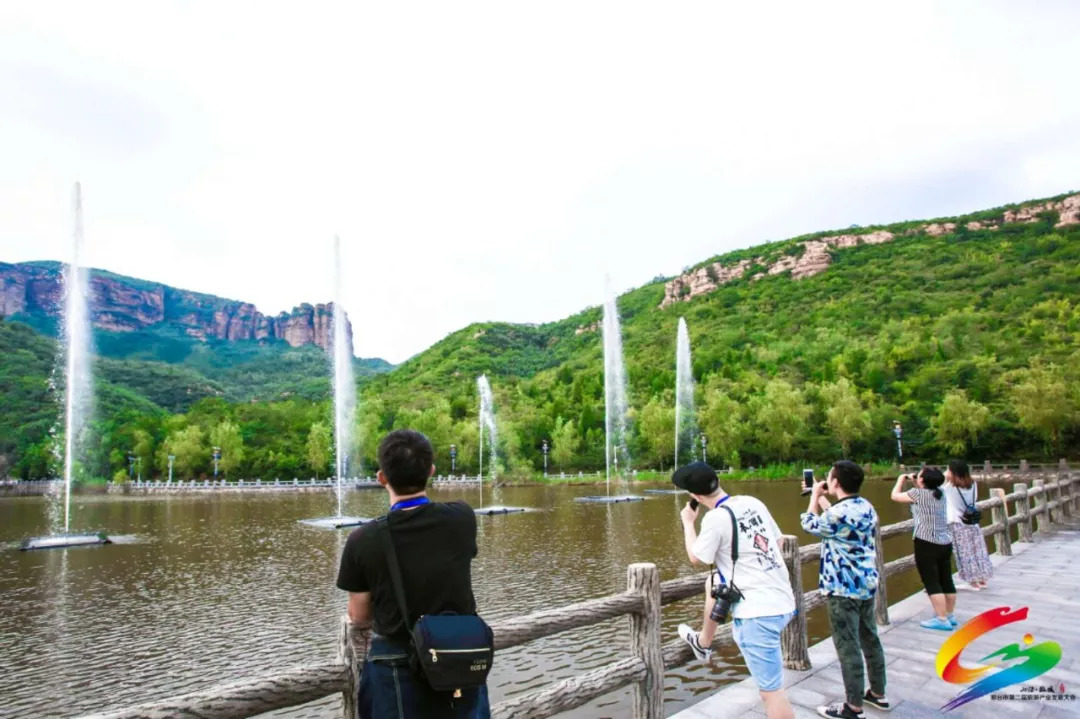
x=492 y=161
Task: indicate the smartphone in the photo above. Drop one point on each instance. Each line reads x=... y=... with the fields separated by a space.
x=808 y=481
x=693 y=503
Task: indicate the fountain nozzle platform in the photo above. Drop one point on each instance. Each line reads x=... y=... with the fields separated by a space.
x=336 y=522
x=57 y=541
x=610 y=499
x=501 y=510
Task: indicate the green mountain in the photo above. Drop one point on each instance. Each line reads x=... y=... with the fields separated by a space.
x=964 y=329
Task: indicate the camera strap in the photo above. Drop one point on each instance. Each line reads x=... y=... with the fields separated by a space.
x=734 y=543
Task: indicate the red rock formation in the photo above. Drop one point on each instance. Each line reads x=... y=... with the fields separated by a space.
x=121 y=305
x=815 y=258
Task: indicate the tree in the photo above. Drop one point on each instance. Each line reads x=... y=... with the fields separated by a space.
x=564 y=442
x=226 y=436
x=657 y=423
x=319 y=447
x=1043 y=404
x=779 y=417
x=189 y=448
x=845 y=415
x=722 y=421
x=143 y=449
x=958 y=421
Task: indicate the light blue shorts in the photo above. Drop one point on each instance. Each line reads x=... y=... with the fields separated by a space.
x=759 y=641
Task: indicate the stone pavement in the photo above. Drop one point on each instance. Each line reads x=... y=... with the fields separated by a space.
x=1044 y=576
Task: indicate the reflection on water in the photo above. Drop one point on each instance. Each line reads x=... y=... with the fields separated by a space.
x=220 y=588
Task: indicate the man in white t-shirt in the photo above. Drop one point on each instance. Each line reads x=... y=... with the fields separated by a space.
x=759 y=573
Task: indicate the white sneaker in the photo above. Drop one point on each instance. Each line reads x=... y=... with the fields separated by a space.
x=689 y=635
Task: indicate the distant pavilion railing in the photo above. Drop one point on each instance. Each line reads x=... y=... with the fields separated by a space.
x=645 y=594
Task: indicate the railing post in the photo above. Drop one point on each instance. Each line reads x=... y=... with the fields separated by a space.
x=987 y=467
x=1042 y=520
x=1064 y=487
x=1000 y=514
x=645 y=641
x=1053 y=514
x=881 y=599
x=352 y=651
x=1023 y=509
x=794 y=640
x=1024 y=465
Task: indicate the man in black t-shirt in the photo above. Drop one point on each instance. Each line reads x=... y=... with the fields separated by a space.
x=435 y=544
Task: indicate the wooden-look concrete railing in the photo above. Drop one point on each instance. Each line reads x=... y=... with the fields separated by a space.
x=648 y=657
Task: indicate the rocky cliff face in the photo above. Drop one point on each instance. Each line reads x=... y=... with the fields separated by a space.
x=814 y=257
x=120 y=304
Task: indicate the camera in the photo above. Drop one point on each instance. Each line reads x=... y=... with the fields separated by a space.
x=725 y=596
x=808 y=482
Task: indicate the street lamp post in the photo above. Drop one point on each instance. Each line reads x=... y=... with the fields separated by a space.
x=139 y=463
x=172 y=458
x=453 y=459
x=217 y=458
x=898 y=430
x=545 y=446
x=131 y=465
x=704 y=456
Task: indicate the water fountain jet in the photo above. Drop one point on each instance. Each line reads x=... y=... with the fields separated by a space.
x=616 y=404
x=341 y=362
x=77 y=383
x=487 y=422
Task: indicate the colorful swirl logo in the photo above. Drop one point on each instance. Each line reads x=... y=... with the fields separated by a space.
x=1037 y=659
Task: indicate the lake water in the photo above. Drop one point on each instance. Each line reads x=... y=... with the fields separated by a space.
x=216 y=588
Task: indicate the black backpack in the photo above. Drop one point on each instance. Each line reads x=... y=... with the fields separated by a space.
x=972 y=514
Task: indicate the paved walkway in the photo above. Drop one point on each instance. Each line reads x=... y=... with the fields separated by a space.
x=1044 y=576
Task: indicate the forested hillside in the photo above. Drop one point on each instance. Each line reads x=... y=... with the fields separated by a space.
x=964 y=329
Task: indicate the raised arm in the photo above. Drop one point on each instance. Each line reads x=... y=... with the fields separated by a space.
x=825 y=526
x=898 y=494
x=690 y=536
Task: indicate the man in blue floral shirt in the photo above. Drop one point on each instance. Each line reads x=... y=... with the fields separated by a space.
x=849 y=579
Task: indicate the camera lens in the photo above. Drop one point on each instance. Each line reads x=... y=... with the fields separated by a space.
x=720 y=610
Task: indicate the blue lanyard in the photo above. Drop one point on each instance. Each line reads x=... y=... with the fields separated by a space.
x=719 y=502
x=406 y=503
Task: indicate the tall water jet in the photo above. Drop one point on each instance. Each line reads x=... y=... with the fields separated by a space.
x=344 y=386
x=685 y=419
x=77 y=379
x=615 y=402
x=487 y=422
x=75 y=336
x=344 y=382
x=488 y=425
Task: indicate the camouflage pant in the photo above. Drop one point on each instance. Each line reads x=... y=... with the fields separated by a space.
x=854 y=634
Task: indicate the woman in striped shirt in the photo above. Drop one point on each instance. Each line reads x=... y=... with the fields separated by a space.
x=933 y=543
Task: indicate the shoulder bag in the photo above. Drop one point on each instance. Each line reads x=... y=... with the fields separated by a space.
x=448 y=651
x=972 y=514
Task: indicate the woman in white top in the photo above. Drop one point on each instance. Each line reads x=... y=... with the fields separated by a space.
x=969 y=546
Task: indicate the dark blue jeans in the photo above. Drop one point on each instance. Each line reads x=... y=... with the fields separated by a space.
x=388 y=690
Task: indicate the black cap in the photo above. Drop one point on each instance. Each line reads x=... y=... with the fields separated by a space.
x=696 y=478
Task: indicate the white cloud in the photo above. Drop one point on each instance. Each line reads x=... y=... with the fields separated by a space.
x=493 y=160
